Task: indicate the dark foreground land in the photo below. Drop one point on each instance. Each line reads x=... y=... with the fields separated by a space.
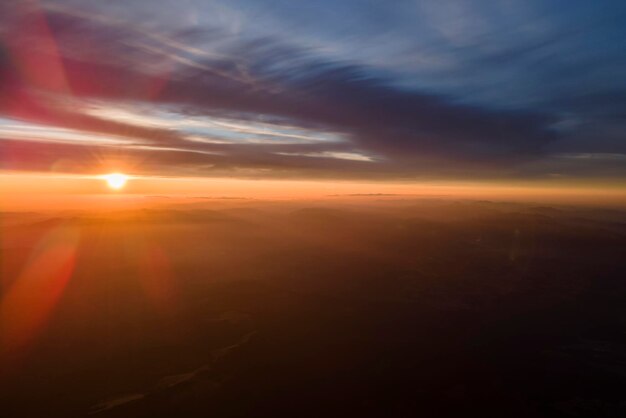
x=406 y=308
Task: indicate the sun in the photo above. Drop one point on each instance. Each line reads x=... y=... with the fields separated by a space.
x=116 y=180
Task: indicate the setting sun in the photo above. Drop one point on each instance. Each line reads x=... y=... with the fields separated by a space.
x=348 y=208
x=116 y=180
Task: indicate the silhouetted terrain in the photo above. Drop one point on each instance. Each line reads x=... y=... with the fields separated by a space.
x=367 y=307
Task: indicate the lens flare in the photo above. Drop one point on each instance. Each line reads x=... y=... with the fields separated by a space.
x=29 y=302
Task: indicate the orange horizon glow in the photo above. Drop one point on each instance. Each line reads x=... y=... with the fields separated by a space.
x=29 y=191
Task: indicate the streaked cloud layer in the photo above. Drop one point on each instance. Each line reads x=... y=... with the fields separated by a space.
x=327 y=89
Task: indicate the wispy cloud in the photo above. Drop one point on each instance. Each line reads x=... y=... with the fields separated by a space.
x=329 y=90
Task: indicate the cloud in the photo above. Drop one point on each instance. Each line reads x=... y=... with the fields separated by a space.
x=223 y=97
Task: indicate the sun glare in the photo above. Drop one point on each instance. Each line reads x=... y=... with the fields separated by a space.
x=116 y=180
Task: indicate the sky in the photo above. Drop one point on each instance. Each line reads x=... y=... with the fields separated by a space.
x=505 y=92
